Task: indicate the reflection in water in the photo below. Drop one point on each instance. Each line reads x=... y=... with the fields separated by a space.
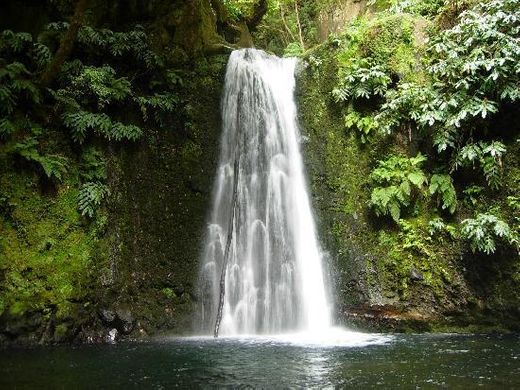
x=410 y=361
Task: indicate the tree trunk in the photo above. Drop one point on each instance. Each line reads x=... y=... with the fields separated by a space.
x=226 y=252
x=66 y=44
x=297 y=13
x=258 y=13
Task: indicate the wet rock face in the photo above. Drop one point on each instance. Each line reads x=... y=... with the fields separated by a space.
x=120 y=319
x=161 y=191
x=415 y=275
x=333 y=18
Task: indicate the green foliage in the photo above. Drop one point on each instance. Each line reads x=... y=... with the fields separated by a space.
x=363 y=80
x=487 y=155
x=437 y=226
x=168 y=293
x=420 y=7
x=15 y=84
x=386 y=41
x=120 y=44
x=443 y=186
x=400 y=177
x=93 y=171
x=413 y=239
x=365 y=125
x=473 y=71
x=81 y=121
x=408 y=103
x=160 y=103
x=482 y=231
x=15 y=42
x=293 y=49
x=471 y=194
x=288 y=28
x=93 y=165
x=90 y=196
x=239 y=8
x=102 y=84
x=53 y=165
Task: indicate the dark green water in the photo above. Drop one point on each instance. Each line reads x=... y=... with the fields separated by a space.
x=408 y=361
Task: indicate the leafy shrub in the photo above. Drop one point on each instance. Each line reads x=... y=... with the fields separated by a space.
x=362 y=80
x=365 y=125
x=293 y=49
x=471 y=194
x=93 y=166
x=15 y=42
x=160 y=103
x=132 y=43
x=399 y=175
x=487 y=155
x=15 y=83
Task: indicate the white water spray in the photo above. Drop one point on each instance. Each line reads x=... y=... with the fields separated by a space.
x=274 y=279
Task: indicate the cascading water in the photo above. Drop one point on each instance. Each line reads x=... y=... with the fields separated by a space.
x=261 y=228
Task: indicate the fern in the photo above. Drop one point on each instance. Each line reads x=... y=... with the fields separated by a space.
x=443 y=186
x=102 y=83
x=7 y=127
x=90 y=196
x=93 y=166
x=41 y=54
x=14 y=84
x=16 y=42
x=134 y=42
x=159 y=102
x=80 y=122
x=437 y=226
x=53 y=165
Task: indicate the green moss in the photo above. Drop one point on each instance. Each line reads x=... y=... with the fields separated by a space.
x=45 y=247
x=387 y=40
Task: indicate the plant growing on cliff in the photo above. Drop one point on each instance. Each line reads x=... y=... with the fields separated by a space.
x=442 y=186
x=399 y=178
x=90 y=196
x=487 y=155
x=80 y=122
x=483 y=231
x=53 y=165
x=362 y=80
x=472 y=75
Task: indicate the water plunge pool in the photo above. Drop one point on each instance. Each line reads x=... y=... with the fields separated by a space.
x=409 y=361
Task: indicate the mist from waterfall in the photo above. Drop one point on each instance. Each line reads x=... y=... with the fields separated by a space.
x=274 y=278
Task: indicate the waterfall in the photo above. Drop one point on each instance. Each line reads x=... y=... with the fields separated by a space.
x=273 y=275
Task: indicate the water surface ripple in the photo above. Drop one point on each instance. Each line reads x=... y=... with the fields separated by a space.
x=405 y=361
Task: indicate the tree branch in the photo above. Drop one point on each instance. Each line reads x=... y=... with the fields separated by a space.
x=258 y=13
x=66 y=44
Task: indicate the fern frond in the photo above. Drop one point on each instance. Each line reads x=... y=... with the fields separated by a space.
x=90 y=196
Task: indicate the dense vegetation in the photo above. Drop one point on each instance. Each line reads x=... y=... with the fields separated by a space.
x=450 y=98
x=411 y=108
x=428 y=93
